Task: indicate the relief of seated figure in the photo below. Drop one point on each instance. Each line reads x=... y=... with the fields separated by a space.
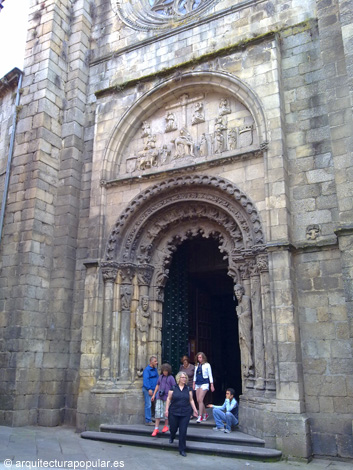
x=184 y=144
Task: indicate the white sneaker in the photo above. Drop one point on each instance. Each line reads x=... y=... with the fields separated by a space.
x=199 y=419
x=227 y=431
x=218 y=429
x=205 y=417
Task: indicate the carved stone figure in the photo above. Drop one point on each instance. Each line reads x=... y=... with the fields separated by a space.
x=184 y=144
x=220 y=124
x=203 y=146
x=171 y=122
x=143 y=322
x=218 y=142
x=232 y=139
x=245 y=330
x=125 y=296
x=224 y=107
x=146 y=130
x=148 y=157
x=198 y=115
x=165 y=154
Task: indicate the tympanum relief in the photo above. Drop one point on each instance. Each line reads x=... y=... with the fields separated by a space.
x=193 y=128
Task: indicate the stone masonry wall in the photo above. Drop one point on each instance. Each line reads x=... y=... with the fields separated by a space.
x=84 y=70
x=39 y=244
x=287 y=75
x=7 y=100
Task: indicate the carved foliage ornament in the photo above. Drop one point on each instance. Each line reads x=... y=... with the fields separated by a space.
x=158 y=14
x=109 y=271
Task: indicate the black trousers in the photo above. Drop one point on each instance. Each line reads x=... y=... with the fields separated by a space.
x=180 y=422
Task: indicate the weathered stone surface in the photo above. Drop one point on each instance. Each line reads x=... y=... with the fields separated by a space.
x=131 y=142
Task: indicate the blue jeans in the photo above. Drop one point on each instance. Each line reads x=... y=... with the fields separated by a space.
x=148 y=405
x=221 y=417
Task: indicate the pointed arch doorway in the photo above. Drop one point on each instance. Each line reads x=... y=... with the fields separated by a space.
x=199 y=313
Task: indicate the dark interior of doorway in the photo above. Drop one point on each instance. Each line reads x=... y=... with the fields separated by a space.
x=199 y=314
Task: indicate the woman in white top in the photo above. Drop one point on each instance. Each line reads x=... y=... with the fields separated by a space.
x=203 y=379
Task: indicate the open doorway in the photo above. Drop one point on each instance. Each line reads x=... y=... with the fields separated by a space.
x=199 y=313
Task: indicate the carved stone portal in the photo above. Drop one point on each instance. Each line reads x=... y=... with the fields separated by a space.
x=143 y=243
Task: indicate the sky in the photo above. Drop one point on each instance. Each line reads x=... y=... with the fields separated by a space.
x=13 y=34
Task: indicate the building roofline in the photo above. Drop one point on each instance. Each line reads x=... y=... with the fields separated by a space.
x=10 y=80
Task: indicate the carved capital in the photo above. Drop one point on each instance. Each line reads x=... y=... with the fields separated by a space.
x=244 y=271
x=127 y=272
x=253 y=269
x=109 y=271
x=262 y=263
x=144 y=275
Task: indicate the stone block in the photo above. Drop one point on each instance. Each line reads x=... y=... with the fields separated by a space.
x=345 y=446
x=324 y=444
x=341 y=366
x=49 y=417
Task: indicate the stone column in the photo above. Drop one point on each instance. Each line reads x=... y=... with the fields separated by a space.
x=109 y=271
x=127 y=272
x=157 y=317
x=243 y=269
x=262 y=266
x=259 y=356
x=143 y=321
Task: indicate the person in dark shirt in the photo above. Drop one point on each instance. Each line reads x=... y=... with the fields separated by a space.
x=150 y=377
x=178 y=409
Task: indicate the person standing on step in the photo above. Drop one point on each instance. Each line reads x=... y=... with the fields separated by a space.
x=189 y=369
x=165 y=383
x=150 y=377
x=178 y=410
x=226 y=415
x=203 y=380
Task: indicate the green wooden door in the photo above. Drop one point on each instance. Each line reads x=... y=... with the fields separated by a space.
x=175 y=326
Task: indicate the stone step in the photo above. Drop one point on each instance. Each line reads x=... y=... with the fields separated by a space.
x=203 y=445
x=195 y=433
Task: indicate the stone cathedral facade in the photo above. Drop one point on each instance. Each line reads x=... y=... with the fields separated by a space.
x=165 y=152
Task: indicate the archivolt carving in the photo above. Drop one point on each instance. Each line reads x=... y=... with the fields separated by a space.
x=187 y=234
x=207 y=196
x=169 y=218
